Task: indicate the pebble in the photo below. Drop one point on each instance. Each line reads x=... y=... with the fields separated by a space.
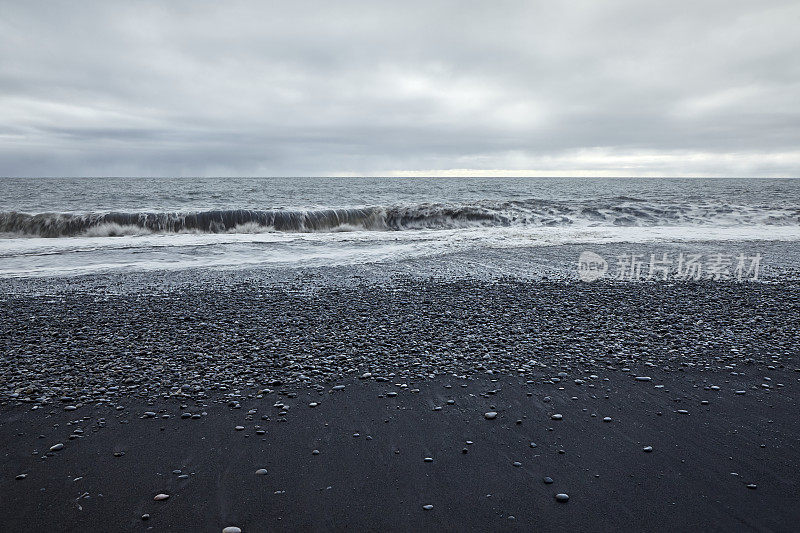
x=56 y=447
x=161 y=497
x=314 y=452
x=647 y=449
x=232 y=529
x=427 y=507
x=643 y=378
x=21 y=476
x=239 y=428
x=261 y=472
x=517 y=464
x=556 y=417
x=607 y=419
x=547 y=480
x=562 y=497
x=491 y=415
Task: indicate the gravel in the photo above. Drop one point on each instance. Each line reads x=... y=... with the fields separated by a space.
x=109 y=346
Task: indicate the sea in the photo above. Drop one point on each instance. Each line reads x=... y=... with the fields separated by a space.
x=80 y=226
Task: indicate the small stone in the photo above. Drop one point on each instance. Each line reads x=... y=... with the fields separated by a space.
x=239 y=428
x=752 y=486
x=261 y=472
x=145 y=516
x=56 y=447
x=607 y=419
x=547 y=480
x=517 y=464
x=149 y=414
x=643 y=378
x=161 y=497
x=556 y=416
x=232 y=529
x=491 y=415
x=21 y=476
x=647 y=449
x=427 y=507
x=314 y=452
x=428 y=459
x=561 y=497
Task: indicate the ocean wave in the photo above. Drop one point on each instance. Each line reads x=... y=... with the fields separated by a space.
x=620 y=211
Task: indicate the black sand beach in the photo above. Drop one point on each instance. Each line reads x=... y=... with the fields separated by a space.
x=399 y=267
x=189 y=390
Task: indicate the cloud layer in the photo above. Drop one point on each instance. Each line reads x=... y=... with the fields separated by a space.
x=320 y=88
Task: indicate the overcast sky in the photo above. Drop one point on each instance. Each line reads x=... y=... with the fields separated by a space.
x=373 y=88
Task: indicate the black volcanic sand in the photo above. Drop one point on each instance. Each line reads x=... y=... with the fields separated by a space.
x=719 y=408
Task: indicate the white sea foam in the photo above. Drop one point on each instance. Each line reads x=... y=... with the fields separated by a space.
x=80 y=255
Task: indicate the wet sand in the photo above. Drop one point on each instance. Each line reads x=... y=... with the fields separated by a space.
x=696 y=477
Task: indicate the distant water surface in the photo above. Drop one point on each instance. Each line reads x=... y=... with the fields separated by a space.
x=65 y=226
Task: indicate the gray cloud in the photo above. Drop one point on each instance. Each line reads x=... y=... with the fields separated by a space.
x=308 y=88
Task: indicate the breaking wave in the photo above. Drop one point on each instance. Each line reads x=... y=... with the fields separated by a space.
x=620 y=211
